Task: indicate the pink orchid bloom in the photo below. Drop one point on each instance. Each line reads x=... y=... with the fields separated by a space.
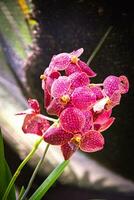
x=84 y=108
x=74 y=132
x=34 y=122
x=71 y=63
x=113 y=87
x=68 y=91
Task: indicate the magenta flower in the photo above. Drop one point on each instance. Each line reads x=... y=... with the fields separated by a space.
x=34 y=122
x=83 y=108
x=91 y=141
x=71 y=63
x=75 y=131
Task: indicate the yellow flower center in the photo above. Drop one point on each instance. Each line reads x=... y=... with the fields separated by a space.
x=65 y=99
x=74 y=59
x=43 y=77
x=76 y=139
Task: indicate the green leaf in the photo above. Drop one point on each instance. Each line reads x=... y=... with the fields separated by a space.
x=44 y=187
x=5 y=174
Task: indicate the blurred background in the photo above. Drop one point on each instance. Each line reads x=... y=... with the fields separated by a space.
x=31 y=32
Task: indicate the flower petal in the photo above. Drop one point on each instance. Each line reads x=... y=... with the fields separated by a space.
x=78 y=80
x=92 y=141
x=34 y=104
x=101 y=118
x=100 y=104
x=57 y=136
x=47 y=97
x=72 y=68
x=68 y=149
x=111 y=84
x=55 y=107
x=107 y=124
x=97 y=91
x=83 y=97
x=60 y=87
x=35 y=123
x=89 y=121
x=85 y=68
x=77 y=53
x=72 y=120
x=60 y=62
x=124 y=84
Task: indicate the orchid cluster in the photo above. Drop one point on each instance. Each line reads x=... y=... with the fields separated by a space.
x=83 y=109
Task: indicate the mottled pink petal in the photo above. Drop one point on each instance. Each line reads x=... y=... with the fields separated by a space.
x=60 y=62
x=101 y=118
x=111 y=84
x=107 y=124
x=78 y=80
x=85 y=68
x=98 y=92
x=47 y=97
x=92 y=141
x=35 y=123
x=34 y=104
x=72 y=120
x=89 y=121
x=83 y=97
x=60 y=87
x=68 y=149
x=57 y=136
x=114 y=100
x=124 y=84
x=72 y=68
x=55 y=107
x=77 y=53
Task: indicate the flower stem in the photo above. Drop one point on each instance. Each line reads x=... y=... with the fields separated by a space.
x=34 y=173
x=50 y=119
x=29 y=156
x=99 y=45
x=49 y=181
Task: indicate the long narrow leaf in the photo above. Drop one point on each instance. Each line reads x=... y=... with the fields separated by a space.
x=5 y=174
x=44 y=187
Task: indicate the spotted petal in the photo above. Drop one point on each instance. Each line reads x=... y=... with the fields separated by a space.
x=89 y=121
x=107 y=124
x=83 y=97
x=101 y=118
x=60 y=87
x=34 y=104
x=55 y=107
x=111 y=84
x=97 y=91
x=68 y=149
x=77 y=53
x=57 y=136
x=35 y=123
x=60 y=61
x=72 y=120
x=85 y=68
x=78 y=80
x=72 y=68
x=92 y=141
x=124 y=84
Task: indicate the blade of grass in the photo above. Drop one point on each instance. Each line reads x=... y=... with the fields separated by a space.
x=44 y=187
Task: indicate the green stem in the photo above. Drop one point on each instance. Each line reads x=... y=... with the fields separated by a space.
x=34 y=173
x=99 y=45
x=50 y=119
x=29 y=156
x=44 y=187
